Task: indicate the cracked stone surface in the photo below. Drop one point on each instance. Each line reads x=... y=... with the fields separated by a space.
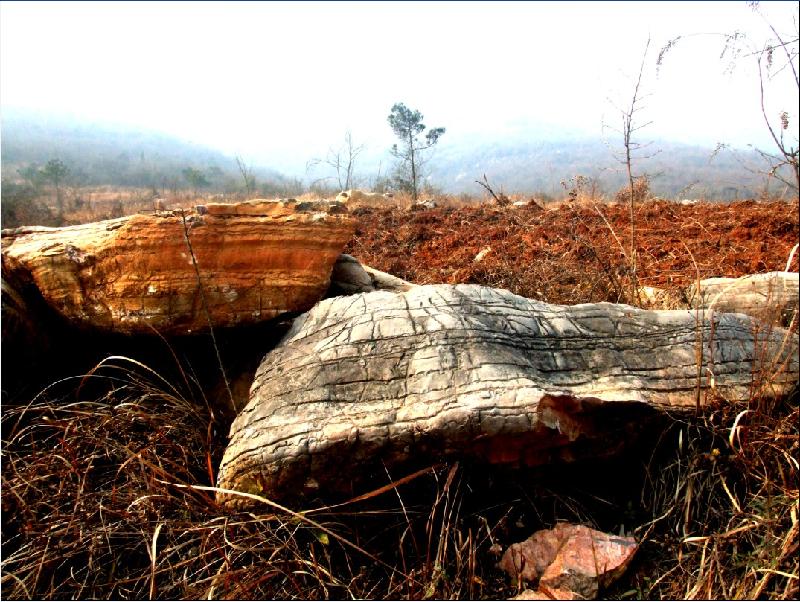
x=442 y=371
x=257 y=260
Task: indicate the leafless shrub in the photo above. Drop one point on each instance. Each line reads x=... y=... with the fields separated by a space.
x=641 y=191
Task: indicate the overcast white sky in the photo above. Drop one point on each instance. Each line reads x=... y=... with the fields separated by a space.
x=265 y=78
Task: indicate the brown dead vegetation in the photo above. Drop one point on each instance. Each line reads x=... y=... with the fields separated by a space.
x=107 y=482
x=576 y=253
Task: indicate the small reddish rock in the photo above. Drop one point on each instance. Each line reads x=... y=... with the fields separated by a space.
x=569 y=558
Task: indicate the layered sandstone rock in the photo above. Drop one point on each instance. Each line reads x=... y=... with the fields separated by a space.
x=382 y=378
x=272 y=208
x=256 y=261
x=772 y=296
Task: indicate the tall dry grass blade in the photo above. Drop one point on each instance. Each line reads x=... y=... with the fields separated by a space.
x=19 y=582
x=152 y=549
x=734 y=432
x=105 y=362
x=376 y=492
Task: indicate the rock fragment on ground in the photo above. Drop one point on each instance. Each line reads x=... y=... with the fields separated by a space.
x=363 y=198
x=570 y=560
x=350 y=277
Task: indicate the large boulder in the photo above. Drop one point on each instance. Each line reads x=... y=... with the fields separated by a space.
x=387 y=379
x=256 y=261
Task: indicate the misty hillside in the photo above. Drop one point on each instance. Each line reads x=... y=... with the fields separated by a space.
x=114 y=155
x=528 y=160
x=538 y=164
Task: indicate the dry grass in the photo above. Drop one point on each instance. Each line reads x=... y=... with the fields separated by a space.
x=725 y=508
x=108 y=479
x=108 y=493
x=95 y=204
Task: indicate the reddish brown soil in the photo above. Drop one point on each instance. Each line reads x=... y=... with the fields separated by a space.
x=569 y=254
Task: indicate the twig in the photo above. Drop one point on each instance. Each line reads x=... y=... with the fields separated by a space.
x=205 y=309
x=501 y=200
x=791 y=256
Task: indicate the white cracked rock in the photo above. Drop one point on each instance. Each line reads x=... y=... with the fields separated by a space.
x=441 y=371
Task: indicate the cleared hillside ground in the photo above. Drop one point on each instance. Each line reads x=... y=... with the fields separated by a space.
x=577 y=252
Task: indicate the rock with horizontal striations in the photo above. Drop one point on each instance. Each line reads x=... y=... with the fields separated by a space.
x=256 y=261
x=445 y=371
x=573 y=560
x=772 y=296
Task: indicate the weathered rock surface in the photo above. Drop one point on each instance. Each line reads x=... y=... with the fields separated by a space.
x=350 y=277
x=652 y=297
x=257 y=260
x=772 y=297
x=572 y=560
x=469 y=371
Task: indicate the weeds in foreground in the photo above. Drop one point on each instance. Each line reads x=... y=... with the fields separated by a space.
x=725 y=508
x=111 y=495
x=108 y=493
x=725 y=496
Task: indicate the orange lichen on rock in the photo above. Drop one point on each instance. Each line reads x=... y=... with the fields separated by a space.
x=132 y=273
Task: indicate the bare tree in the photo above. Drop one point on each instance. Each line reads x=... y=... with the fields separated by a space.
x=343 y=161
x=502 y=200
x=248 y=177
x=776 y=56
x=767 y=69
x=632 y=149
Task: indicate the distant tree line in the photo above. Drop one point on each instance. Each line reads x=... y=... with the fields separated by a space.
x=162 y=178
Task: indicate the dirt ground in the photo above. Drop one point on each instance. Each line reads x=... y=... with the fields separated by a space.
x=578 y=253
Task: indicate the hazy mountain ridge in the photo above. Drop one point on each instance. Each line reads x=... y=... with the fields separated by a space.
x=99 y=154
x=531 y=160
x=540 y=165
